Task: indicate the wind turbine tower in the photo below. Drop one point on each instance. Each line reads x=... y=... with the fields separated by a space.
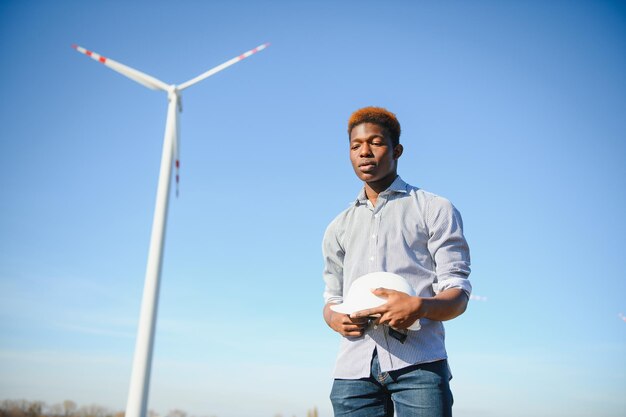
x=142 y=362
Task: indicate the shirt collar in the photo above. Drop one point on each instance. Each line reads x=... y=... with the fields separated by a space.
x=397 y=186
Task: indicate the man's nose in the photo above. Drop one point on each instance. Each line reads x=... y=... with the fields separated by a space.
x=366 y=150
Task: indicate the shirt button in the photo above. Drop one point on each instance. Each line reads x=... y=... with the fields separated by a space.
x=374 y=236
x=371 y=258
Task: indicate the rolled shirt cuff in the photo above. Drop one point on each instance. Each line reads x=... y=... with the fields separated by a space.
x=462 y=283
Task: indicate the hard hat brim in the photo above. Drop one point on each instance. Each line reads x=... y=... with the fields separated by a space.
x=347 y=308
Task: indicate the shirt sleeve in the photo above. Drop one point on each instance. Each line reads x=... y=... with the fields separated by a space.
x=447 y=246
x=333 y=265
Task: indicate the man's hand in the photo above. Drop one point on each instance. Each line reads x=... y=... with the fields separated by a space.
x=343 y=324
x=401 y=310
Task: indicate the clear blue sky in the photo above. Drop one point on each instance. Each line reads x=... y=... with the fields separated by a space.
x=515 y=111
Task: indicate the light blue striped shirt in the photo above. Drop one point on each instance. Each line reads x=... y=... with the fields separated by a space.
x=413 y=233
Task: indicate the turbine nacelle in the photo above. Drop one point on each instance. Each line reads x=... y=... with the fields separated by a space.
x=173 y=93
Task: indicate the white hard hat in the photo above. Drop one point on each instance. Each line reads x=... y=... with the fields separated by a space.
x=360 y=296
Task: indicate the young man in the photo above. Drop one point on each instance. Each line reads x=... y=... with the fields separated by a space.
x=393 y=227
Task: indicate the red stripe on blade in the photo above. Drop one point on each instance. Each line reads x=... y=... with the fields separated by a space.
x=102 y=59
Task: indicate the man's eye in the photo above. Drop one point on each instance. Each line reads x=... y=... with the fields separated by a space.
x=353 y=147
x=378 y=143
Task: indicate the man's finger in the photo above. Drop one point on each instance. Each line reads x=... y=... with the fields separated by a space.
x=383 y=292
x=360 y=321
x=384 y=319
x=370 y=312
x=351 y=320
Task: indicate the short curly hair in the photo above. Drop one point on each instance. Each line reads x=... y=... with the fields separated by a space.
x=379 y=116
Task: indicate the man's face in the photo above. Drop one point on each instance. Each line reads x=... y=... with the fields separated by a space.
x=372 y=154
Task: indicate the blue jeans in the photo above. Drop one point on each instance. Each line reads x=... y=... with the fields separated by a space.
x=417 y=391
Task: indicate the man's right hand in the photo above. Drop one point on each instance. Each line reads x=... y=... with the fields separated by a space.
x=343 y=324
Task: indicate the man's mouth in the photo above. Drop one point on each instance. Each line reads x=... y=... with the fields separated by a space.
x=367 y=166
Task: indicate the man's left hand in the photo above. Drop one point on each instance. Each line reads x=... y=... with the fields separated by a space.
x=400 y=311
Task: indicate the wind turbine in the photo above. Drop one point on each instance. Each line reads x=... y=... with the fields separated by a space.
x=140 y=377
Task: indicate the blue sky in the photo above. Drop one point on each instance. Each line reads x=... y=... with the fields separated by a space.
x=512 y=110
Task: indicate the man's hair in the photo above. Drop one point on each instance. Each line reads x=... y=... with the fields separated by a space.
x=379 y=116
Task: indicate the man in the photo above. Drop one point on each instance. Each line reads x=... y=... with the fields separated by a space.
x=398 y=228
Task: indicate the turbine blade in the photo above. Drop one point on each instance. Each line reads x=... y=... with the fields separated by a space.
x=221 y=67
x=176 y=144
x=138 y=76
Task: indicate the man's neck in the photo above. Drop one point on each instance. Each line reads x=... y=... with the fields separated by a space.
x=373 y=189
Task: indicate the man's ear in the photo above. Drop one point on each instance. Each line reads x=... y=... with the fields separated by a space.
x=397 y=151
